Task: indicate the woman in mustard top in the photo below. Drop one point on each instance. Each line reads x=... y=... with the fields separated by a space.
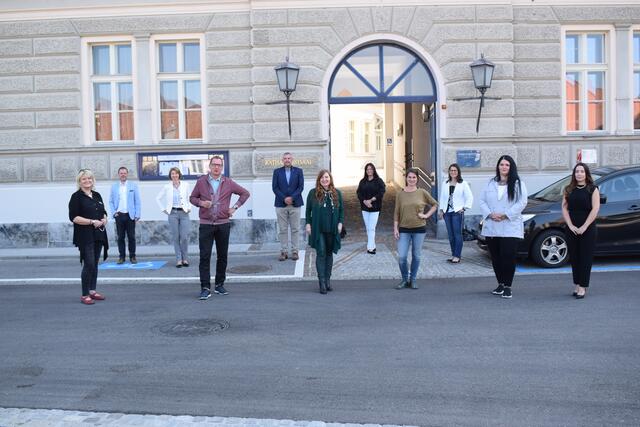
x=410 y=226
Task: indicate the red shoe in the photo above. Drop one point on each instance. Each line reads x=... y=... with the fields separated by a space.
x=96 y=296
x=87 y=300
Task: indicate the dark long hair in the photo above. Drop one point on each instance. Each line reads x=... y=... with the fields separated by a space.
x=513 y=180
x=320 y=189
x=574 y=183
x=375 y=172
x=454 y=165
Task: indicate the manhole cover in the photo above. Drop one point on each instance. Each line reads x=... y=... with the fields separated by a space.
x=249 y=269
x=192 y=328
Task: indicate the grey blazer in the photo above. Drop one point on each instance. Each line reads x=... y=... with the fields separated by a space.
x=489 y=203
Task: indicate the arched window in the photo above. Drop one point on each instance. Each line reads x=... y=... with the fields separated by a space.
x=381 y=73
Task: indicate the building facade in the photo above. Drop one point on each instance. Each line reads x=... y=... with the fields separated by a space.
x=150 y=84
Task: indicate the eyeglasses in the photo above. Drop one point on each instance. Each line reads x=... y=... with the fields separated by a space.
x=84 y=170
x=219 y=165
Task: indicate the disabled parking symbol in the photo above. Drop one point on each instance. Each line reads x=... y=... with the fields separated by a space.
x=144 y=265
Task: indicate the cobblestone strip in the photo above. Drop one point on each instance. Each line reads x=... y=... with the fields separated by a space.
x=22 y=417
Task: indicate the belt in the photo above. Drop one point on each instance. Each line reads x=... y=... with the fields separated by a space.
x=177 y=209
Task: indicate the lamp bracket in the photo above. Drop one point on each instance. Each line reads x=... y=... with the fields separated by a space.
x=469 y=98
x=291 y=101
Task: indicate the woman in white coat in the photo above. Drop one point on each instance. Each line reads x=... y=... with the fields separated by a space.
x=455 y=198
x=502 y=201
x=173 y=200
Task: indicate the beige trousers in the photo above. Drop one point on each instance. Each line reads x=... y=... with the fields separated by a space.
x=288 y=217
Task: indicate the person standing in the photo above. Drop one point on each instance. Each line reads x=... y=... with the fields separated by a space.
x=287 y=185
x=455 y=198
x=502 y=201
x=124 y=202
x=370 y=192
x=173 y=200
x=324 y=218
x=89 y=217
x=410 y=226
x=212 y=195
x=580 y=206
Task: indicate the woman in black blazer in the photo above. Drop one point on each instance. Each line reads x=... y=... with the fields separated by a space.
x=89 y=217
x=370 y=192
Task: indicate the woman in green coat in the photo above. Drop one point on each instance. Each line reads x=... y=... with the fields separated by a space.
x=324 y=216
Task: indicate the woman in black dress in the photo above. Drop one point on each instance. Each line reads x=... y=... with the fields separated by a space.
x=89 y=217
x=580 y=206
x=370 y=192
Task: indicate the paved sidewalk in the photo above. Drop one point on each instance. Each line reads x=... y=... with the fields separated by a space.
x=10 y=417
x=247 y=263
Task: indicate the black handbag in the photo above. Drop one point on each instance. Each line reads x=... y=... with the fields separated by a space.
x=343 y=233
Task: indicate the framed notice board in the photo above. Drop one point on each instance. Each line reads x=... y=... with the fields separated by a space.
x=192 y=164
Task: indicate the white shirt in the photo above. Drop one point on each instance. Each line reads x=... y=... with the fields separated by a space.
x=462 y=197
x=122 y=199
x=502 y=189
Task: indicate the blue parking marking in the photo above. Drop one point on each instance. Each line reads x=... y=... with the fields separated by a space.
x=603 y=268
x=141 y=265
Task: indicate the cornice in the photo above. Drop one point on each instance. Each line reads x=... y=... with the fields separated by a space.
x=12 y=10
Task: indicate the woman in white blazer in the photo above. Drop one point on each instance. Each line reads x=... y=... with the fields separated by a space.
x=502 y=201
x=455 y=198
x=173 y=200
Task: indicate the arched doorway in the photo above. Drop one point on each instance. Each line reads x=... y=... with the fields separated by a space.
x=382 y=98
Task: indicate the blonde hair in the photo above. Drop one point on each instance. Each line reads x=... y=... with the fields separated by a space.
x=85 y=172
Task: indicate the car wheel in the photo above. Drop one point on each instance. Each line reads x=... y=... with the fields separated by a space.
x=550 y=249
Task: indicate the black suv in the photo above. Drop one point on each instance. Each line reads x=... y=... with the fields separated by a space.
x=618 y=221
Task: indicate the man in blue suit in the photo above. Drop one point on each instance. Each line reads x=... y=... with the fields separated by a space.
x=287 y=185
x=125 y=205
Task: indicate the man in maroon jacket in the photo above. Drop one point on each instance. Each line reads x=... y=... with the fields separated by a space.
x=212 y=194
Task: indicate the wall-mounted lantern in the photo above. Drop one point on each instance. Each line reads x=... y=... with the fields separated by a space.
x=287 y=76
x=482 y=73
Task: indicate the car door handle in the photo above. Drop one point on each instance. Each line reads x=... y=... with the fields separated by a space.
x=634 y=208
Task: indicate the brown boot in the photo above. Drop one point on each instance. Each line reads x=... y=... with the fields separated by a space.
x=283 y=256
x=294 y=256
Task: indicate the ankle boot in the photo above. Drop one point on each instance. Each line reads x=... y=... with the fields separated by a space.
x=323 y=286
x=328 y=284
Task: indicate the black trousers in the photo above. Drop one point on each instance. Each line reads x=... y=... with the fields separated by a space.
x=126 y=225
x=324 y=256
x=90 y=255
x=503 y=258
x=581 y=253
x=207 y=235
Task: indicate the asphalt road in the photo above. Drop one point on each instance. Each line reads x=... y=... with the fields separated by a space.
x=447 y=354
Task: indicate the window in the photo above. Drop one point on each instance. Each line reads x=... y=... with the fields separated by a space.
x=636 y=80
x=623 y=188
x=378 y=131
x=112 y=91
x=366 y=140
x=351 y=137
x=586 y=67
x=179 y=88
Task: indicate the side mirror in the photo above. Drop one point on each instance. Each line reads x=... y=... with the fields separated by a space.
x=603 y=199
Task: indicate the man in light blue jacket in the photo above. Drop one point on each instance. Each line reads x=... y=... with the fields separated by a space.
x=125 y=205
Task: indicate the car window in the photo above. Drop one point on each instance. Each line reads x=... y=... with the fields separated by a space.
x=622 y=188
x=553 y=193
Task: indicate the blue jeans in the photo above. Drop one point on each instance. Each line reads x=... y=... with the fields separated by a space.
x=415 y=240
x=454 y=222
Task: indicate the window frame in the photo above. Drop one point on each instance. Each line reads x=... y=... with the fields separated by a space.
x=88 y=95
x=607 y=67
x=180 y=77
